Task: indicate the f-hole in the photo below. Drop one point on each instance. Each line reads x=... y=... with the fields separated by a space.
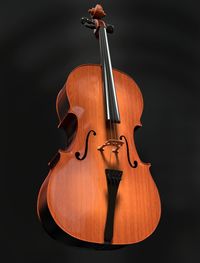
x=77 y=154
x=135 y=163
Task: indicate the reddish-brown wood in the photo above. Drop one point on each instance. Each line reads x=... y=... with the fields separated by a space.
x=75 y=192
x=97 y=12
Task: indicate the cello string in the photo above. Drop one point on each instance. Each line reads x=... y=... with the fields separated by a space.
x=111 y=95
x=108 y=86
x=104 y=68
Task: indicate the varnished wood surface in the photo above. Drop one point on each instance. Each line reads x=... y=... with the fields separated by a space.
x=77 y=190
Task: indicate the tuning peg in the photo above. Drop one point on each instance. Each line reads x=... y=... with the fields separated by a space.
x=87 y=20
x=109 y=29
x=91 y=24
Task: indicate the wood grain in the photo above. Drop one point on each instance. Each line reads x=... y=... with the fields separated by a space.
x=76 y=191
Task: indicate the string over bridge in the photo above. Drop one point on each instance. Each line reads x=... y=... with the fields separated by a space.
x=111 y=142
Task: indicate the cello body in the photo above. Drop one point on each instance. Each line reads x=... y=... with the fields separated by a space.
x=73 y=200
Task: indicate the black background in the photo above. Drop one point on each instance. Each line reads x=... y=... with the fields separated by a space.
x=157 y=43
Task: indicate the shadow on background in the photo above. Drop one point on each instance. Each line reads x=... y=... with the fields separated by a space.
x=157 y=43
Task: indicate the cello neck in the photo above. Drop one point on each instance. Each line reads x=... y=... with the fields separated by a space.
x=111 y=105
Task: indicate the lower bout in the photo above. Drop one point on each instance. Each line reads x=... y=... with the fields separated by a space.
x=81 y=214
x=56 y=232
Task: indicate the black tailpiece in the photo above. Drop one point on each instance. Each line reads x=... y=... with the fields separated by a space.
x=113 y=180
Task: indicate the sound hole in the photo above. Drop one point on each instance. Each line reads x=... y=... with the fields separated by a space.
x=135 y=163
x=77 y=154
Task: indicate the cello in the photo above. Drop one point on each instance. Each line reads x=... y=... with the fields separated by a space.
x=98 y=192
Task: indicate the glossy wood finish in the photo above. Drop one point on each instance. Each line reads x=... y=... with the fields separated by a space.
x=76 y=191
